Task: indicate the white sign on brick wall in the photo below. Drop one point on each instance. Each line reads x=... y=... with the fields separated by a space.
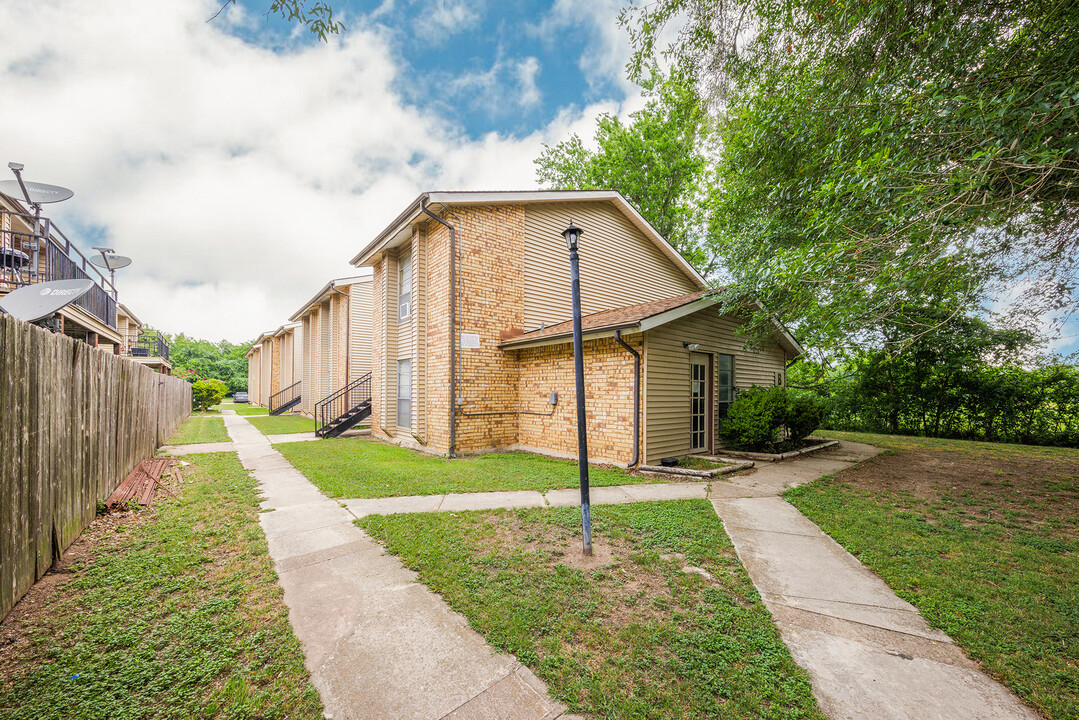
x=470 y=341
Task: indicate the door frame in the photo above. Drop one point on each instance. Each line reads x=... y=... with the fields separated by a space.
x=707 y=360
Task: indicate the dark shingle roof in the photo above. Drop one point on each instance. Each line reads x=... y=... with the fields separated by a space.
x=618 y=318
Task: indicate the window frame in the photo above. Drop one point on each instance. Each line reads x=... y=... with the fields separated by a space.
x=404 y=372
x=404 y=296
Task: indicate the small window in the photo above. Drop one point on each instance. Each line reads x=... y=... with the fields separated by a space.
x=404 y=393
x=404 y=287
x=724 y=384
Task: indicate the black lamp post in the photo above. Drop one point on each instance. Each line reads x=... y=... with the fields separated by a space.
x=573 y=235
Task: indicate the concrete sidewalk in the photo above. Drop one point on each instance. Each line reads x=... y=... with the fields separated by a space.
x=568 y=497
x=196 y=448
x=377 y=643
x=869 y=654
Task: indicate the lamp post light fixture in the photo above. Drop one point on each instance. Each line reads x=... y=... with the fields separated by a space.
x=572 y=234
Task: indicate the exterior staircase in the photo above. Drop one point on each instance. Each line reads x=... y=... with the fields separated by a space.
x=344 y=408
x=285 y=399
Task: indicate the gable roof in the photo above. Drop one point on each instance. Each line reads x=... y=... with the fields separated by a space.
x=400 y=229
x=325 y=290
x=637 y=318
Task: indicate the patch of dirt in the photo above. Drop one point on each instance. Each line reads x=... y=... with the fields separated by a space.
x=1037 y=489
x=36 y=606
x=633 y=593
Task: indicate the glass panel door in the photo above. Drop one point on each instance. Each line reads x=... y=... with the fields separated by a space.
x=699 y=393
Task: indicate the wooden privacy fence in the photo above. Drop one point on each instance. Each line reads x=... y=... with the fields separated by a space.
x=75 y=421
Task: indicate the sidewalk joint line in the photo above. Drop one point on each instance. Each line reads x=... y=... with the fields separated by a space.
x=843 y=602
x=948 y=641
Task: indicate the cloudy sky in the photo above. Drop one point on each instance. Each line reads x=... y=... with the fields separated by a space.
x=241 y=163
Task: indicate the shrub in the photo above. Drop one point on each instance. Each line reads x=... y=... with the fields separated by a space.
x=207 y=393
x=757 y=416
x=805 y=413
x=754 y=418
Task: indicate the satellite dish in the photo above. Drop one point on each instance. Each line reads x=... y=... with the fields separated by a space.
x=38 y=302
x=111 y=262
x=36 y=193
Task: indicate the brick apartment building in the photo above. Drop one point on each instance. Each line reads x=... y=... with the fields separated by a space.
x=471 y=308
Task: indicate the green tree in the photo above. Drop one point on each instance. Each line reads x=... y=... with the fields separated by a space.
x=657 y=161
x=877 y=154
x=205 y=360
x=315 y=15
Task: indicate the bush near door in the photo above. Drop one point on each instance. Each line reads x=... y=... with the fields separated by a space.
x=758 y=416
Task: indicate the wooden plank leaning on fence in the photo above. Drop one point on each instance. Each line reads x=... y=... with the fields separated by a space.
x=74 y=421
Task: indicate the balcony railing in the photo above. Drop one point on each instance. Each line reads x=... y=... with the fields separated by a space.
x=148 y=345
x=58 y=260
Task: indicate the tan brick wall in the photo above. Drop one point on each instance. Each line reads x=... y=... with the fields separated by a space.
x=491 y=301
x=494 y=384
x=608 y=370
x=275 y=367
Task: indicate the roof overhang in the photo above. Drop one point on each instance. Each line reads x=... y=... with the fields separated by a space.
x=784 y=338
x=326 y=291
x=130 y=315
x=401 y=228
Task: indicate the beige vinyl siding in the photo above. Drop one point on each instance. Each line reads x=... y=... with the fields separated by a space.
x=619 y=265
x=266 y=374
x=296 y=361
x=667 y=379
x=359 y=326
x=254 y=377
x=307 y=402
x=390 y=327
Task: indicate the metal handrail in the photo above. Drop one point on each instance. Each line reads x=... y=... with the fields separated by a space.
x=61 y=260
x=340 y=402
x=149 y=345
x=289 y=394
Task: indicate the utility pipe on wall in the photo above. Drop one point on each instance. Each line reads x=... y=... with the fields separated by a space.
x=636 y=399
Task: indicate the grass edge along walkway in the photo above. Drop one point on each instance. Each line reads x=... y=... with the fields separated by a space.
x=1006 y=590
x=176 y=615
x=198 y=429
x=635 y=634
x=366 y=468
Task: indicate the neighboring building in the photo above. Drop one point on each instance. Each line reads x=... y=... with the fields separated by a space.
x=273 y=368
x=145 y=347
x=97 y=317
x=335 y=326
x=91 y=318
x=494 y=343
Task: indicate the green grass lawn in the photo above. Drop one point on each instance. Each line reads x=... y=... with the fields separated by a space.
x=282 y=424
x=175 y=613
x=245 y=409
x=363 y=468
x=628 y=634
x=200 y=428
x=983 y=539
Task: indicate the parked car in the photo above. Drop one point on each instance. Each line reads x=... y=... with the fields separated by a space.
x=239 y=397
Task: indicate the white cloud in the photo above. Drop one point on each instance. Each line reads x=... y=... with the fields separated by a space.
x=447 y=18
x=507 y=87
x=238 y=179
x=603 y=59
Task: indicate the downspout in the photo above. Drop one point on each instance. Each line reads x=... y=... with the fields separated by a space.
x=453 y=325
x=636 y=399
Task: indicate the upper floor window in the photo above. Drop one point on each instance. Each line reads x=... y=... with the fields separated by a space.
x=404 y=287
